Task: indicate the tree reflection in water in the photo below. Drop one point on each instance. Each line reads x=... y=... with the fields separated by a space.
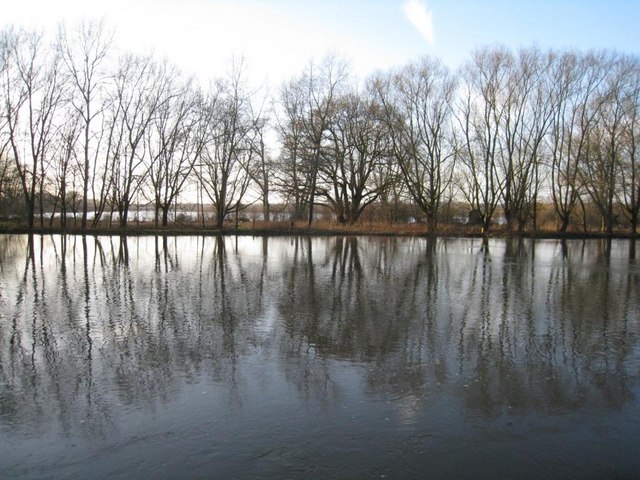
x=91 y=327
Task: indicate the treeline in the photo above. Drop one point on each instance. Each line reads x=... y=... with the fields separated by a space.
x=86 y=133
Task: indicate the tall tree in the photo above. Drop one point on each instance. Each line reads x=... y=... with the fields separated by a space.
x=308 y=102
x=264 y=165
x=629 y=191
x=574 y=96
x=32 y=92
x=417 y=103
x=65 y=165
x=481 y=116
x=357 y=147
x=227 y=153
x=527 y=116
x=262 y=168
x=174 y=141
x=84 y=51
x=293 y=174
x=322 y=85
x=140 y=91
x=601 y=171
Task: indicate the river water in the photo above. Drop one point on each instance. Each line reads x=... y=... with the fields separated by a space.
x=287 y=357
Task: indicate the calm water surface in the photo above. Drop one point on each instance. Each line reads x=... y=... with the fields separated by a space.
x=196 y=357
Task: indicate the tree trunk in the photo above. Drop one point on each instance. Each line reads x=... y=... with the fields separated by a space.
x=564 y=223
x=85 y=183
x=165 y=215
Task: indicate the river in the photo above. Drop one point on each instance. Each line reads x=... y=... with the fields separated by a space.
x=329 y=357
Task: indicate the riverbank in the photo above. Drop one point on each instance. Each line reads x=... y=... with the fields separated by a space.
x=316 y=229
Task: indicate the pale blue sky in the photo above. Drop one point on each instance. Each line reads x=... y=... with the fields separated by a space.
x=278 y=37
x=462 y=25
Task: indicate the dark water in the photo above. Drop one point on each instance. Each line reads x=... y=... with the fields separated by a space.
x=318 y=358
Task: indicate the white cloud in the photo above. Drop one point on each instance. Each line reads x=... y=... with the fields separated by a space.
x=417 y=13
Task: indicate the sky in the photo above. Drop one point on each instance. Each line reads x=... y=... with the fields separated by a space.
x=278 y=38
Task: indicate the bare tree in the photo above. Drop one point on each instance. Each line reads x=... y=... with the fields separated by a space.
x=417 y=102
x=140 y=90
x=321 y=88
x=32 y=93
x=84 y=52
x=629 y=190
x=64 y=164
x=12 y=100
x=263 y=167
x=174 y=141
x=601 y=171
x=227 y=153
x=357 y=146
x=527 y=116
x=481 y=115
x=293 y=174
x=307 y=102
x=577 y=80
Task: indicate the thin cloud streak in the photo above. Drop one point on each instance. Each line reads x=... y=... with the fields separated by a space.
x=420 y=17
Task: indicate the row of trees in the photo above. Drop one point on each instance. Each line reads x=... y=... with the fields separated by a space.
x=95 y=134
